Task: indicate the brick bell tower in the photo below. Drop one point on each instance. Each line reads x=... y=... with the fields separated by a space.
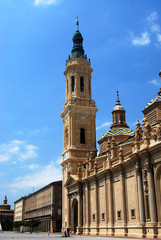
x=78 y=115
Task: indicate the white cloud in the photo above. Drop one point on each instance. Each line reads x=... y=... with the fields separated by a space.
x=29 y=152
x=44 y=176
x=45 y=2
x=32 y=166
x=103 y=125
x=4 y=157
x=152 y=17
x=154 y=82
x=59 y=160
x=143 y=40
x=155 y=28
x=159 y=38
x=17 y=150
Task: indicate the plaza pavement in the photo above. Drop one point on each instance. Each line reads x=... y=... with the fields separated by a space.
x=56 y=236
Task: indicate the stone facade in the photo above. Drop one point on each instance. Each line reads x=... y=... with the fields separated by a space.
x=19 y=210
x=118 y=192
x=44 y=205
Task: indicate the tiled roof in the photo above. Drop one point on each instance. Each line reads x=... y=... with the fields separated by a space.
x=118 y=131
x=156 y=99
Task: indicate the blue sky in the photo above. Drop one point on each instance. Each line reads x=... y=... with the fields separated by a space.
x=123 y=41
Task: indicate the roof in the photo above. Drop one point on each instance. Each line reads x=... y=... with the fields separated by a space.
x=77 y=35
x=118 y=131
x=118 y=107
x=156 y=99
x=41 y=189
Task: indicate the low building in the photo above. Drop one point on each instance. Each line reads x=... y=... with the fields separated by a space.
x=6 y=215
x=44 y=205
x=19 y=209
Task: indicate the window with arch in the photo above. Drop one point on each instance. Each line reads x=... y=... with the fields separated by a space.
x=81 y=84
x=117 y=120
x=67 y=86
x=121 y=119
x=82 y=135
x=73 y=83
x=89 y=86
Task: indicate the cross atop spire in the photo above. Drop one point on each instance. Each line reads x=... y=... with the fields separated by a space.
x=77 y=23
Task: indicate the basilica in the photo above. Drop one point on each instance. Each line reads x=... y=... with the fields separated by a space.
x=118 y=192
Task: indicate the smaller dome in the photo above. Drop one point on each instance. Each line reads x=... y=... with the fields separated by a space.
x=118 y=107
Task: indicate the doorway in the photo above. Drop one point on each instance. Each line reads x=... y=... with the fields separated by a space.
x=75 y=214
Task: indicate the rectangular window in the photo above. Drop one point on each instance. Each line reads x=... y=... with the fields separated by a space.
x=119 y=215
x=132 y=213
x=103 y=216
x=94 y=217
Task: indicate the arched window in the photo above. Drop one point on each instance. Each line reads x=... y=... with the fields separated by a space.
x=73 y=83
x=67 y=86
x=81 y=84
x=89 y=86
x=117 y=121
x=121 y=119
x=82 y=135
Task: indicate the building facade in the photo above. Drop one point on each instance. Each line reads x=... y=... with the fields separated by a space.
x=118 y=192
x=44 y=205
x=19 y=209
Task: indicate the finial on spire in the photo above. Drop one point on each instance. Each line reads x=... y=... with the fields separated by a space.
x=77 y=23
x=118 y=100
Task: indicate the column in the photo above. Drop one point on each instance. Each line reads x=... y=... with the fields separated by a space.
x=140 y=197
x=110 y=206
x=79 y=213
x=106 y=207
x=96 y=199
x=152 y=199
x=87 y=207
x=84 y=206
x=123 y=197
x=68 y=211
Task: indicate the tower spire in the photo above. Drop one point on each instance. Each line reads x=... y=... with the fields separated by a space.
x=118 y=100
x=77 y=24
x=118 y=114
x=77 y=51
